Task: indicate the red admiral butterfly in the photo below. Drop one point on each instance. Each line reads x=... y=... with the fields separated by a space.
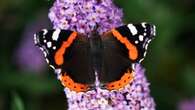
x=111 y=56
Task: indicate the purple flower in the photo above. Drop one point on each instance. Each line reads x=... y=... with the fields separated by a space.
x=187 y=105
x=27 y=56
x=82 y=16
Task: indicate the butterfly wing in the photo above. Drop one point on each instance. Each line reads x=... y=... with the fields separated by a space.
x=68 y=52
x=115 y=58
x=136 y=38
x=50 y=41
x=78 y=62
x=124 y=46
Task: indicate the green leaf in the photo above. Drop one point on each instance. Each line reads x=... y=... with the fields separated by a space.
x=16 y=103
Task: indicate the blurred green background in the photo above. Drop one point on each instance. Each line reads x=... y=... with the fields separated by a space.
x=27 y=84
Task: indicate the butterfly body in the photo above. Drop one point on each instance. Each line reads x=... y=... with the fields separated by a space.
x=109 y=58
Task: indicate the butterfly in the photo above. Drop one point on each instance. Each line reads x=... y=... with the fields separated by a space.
x=109 y=58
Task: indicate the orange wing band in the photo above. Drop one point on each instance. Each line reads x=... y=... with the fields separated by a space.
x=68 y=82
x=127 y=78
x=59 y=59
x=133 y=53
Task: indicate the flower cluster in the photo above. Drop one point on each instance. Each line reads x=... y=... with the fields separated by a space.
x=83 y=15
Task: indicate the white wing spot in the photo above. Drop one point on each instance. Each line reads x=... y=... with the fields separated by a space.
x=44 y=31
x=146 y=47
x=41 y=48
x=35 y=36
x=47 y=60
x=132 y=29
x=45 y=54
x=141 y=37
x=133 y=66
x=144 y=25
x=141 y=60
x=136 y=42
x=144 y=54
x=54 y=47
x=56 y=34
x=144 y=34
x=149 y=41
x=44 y=41
x=35 y=39
x=154 y=30
x=49 y=44
x=52 y=66
x=58 y=71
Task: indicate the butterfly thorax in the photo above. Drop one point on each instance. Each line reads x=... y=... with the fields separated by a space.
x=96 y=51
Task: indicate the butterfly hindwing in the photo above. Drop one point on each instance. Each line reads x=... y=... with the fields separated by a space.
x=115 y=59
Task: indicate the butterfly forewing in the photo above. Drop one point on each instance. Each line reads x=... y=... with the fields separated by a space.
x=68 y=52
x=49 y=41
